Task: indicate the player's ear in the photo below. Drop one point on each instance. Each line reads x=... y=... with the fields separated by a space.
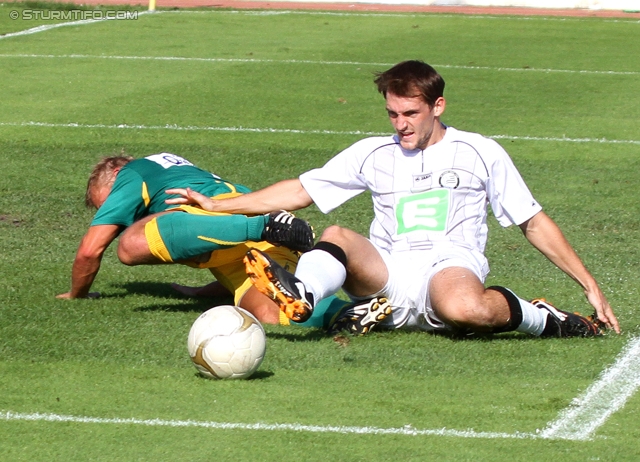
x=439 y=106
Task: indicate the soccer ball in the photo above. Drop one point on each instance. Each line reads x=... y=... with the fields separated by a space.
x=226 y=342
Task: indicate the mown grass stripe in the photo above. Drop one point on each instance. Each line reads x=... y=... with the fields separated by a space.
x=407 y=14
x=313 y=62
x=291 y=131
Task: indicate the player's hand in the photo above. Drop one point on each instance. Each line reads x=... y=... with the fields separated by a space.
x=189 y=196
x=67 y=296
x=603 y=310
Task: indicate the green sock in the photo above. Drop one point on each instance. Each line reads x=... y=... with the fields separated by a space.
x=186 y=235
x=323 y=312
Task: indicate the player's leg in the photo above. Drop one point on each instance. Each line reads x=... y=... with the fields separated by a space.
x=366 y=274
x=340 y=257
x=170 y=237
x=458 y=298
x=134 y=247
x=262 y=307
x=366 y=271
x=267 y=311
x=324 y=313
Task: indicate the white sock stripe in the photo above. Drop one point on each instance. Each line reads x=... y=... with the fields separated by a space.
x=534 y=319
x=321 y=273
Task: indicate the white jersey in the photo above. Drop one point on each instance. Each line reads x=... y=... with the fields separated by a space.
x=426 y=198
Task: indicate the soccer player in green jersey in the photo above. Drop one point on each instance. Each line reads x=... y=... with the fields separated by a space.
x=129 y=195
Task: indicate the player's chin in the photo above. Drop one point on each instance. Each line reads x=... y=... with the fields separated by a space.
x=407 y=140
x=408 y=144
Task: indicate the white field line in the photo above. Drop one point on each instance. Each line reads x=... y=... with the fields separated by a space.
x=578 y=422
x=406 y=430
x=291 y=131
x=312 y=62
x=604 y=397
x=46 y=27
x=191 y=128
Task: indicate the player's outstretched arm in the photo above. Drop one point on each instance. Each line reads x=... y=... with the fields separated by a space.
x=87 y=262
x=284 y=195
x=545 y=235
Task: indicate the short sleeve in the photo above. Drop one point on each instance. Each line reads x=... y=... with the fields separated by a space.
x=508 y=194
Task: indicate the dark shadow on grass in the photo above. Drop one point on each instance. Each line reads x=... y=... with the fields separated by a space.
x=155 y=289
x=164 y=290
x=258 y=375
x=479 y=337
x=300 y=334
x=190 y=307
x=297 y=334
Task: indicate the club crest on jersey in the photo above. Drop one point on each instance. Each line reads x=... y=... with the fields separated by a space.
x=449 y=179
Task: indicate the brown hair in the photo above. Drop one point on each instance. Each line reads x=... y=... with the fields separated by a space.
x=103 y=174
x=411 y=78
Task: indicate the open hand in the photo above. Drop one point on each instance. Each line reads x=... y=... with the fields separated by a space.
x=189 y=196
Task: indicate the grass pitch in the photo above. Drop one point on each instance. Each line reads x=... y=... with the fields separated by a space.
x=262 y=96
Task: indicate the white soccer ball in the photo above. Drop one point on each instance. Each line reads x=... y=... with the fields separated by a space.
x=227 y=342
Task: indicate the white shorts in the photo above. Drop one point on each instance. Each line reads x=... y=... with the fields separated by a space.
x=408 y=286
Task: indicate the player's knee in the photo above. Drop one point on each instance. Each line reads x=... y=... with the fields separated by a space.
x=342 y=237
x=126 y=249
x=474 y=315
x=332 y=232
x=123 y=255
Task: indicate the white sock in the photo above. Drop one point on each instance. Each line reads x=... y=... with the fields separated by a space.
x=321 y=274
x=534 y=320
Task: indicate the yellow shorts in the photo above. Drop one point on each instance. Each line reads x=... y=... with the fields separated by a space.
x=226 y=265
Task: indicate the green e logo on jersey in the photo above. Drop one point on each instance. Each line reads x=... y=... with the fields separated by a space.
x=425 y=211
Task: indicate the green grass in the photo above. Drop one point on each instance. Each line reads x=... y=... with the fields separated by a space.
x=124 y=356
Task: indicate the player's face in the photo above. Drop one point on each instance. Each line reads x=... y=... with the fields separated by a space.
x=416 y=123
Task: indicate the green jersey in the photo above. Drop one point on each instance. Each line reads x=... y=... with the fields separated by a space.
x=139 y=188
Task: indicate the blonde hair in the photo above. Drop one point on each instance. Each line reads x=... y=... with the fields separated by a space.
x=103 y=174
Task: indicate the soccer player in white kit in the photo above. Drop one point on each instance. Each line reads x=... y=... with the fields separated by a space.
x=423 y=265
